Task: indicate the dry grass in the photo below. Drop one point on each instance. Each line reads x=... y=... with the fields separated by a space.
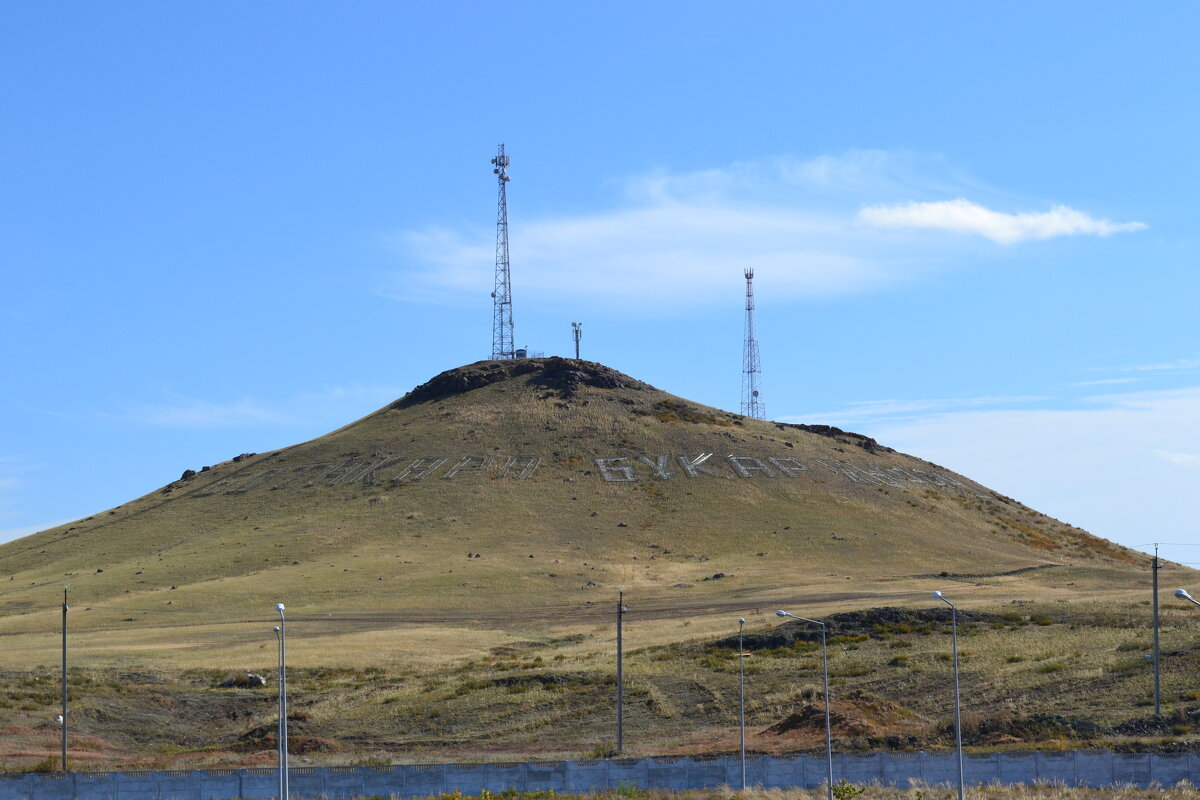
x=181 y=584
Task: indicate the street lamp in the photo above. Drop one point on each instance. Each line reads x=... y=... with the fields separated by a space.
x=279 y=709
x=1183 y=593
x=825 y=671
x=63 y=716
x=742 y=696
x=957 y=705
x=621 y=609
x=283 y=753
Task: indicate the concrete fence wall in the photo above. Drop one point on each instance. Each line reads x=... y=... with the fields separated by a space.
x=1082 y=768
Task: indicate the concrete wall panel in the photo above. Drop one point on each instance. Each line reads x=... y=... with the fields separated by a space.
x=1056 y=768
x=940 y=768
x=900 y=768
x=1016 y=767
x=583 y=776
x=1168 y=769
x=258 y=783
x=704 y=773
x=415 y=780
x=859 y=768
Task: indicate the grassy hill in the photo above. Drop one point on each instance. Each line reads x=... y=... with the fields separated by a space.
x=496 y=508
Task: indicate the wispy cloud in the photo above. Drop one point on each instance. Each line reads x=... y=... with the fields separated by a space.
x=335 y=403
x=193 y=413
x=962 y=216
x=1119 y=465
x=1178 y=365
x=1104 y=382
x=1190 y=460
x=677 y=239
x=9 y=534
x=892 y=410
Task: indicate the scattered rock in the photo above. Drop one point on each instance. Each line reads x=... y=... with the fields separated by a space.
x=244 y=680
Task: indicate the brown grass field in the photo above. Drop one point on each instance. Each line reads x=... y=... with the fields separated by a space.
x=404 y=646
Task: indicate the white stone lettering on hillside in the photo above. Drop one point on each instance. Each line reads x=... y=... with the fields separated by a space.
x=524 y=466
x=746 y=466
x=418 y=469
x=613 y=469
x=694 y=467
x=789 y=465
x=659 y=465
x=471 y=464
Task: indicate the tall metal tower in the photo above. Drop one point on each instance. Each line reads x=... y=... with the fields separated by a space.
x=576 y=333
x=502 y=320
x=752 y=403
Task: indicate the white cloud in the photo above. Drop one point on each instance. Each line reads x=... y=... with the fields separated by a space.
x=1104 y=382
x=334 y=404
x=673 y=240
x=892 y=410
x=9 y=534
x=1190 y=460
x=962 y=216
x=1121 y=466
x=191 y=413
x=1178 y=365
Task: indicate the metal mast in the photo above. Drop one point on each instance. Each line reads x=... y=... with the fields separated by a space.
x=502 y=320
x=752 y=404
x=576 y=333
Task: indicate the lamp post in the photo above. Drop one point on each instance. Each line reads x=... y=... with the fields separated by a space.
x=64 y=678
x=825 y=673
x=279 y=708
x=742 y=696
x=957 y=704
x=621 y=609
x=283 y=753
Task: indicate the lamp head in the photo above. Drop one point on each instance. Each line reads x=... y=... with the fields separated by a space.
x=782 y=613
x=276 y=629
x=1183 y=593
x=279 y=606
x=741 y=620
x=938 y=595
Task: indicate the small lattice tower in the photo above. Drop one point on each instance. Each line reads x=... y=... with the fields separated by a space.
x=502 y=318
x=752 y=402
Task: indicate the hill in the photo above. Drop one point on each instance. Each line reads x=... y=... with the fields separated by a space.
x=479 y=527
x=531 y=489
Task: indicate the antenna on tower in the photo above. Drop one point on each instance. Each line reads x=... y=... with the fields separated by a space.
x=577 y=333
x=752 y=403
x=502 y=320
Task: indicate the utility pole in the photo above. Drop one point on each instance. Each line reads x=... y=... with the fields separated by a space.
x=502 y=319
x=576 y=333
x=752 y=404
x=742 y=695
x=621 y=610
x=1157 y=680
x=64 y=678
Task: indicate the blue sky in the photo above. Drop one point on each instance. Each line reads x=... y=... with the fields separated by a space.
x=229 y=227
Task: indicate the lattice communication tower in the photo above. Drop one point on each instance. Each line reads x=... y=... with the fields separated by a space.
x=752 y=403
x=502 y=319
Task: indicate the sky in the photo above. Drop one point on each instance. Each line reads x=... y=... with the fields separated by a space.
x=228 y=227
